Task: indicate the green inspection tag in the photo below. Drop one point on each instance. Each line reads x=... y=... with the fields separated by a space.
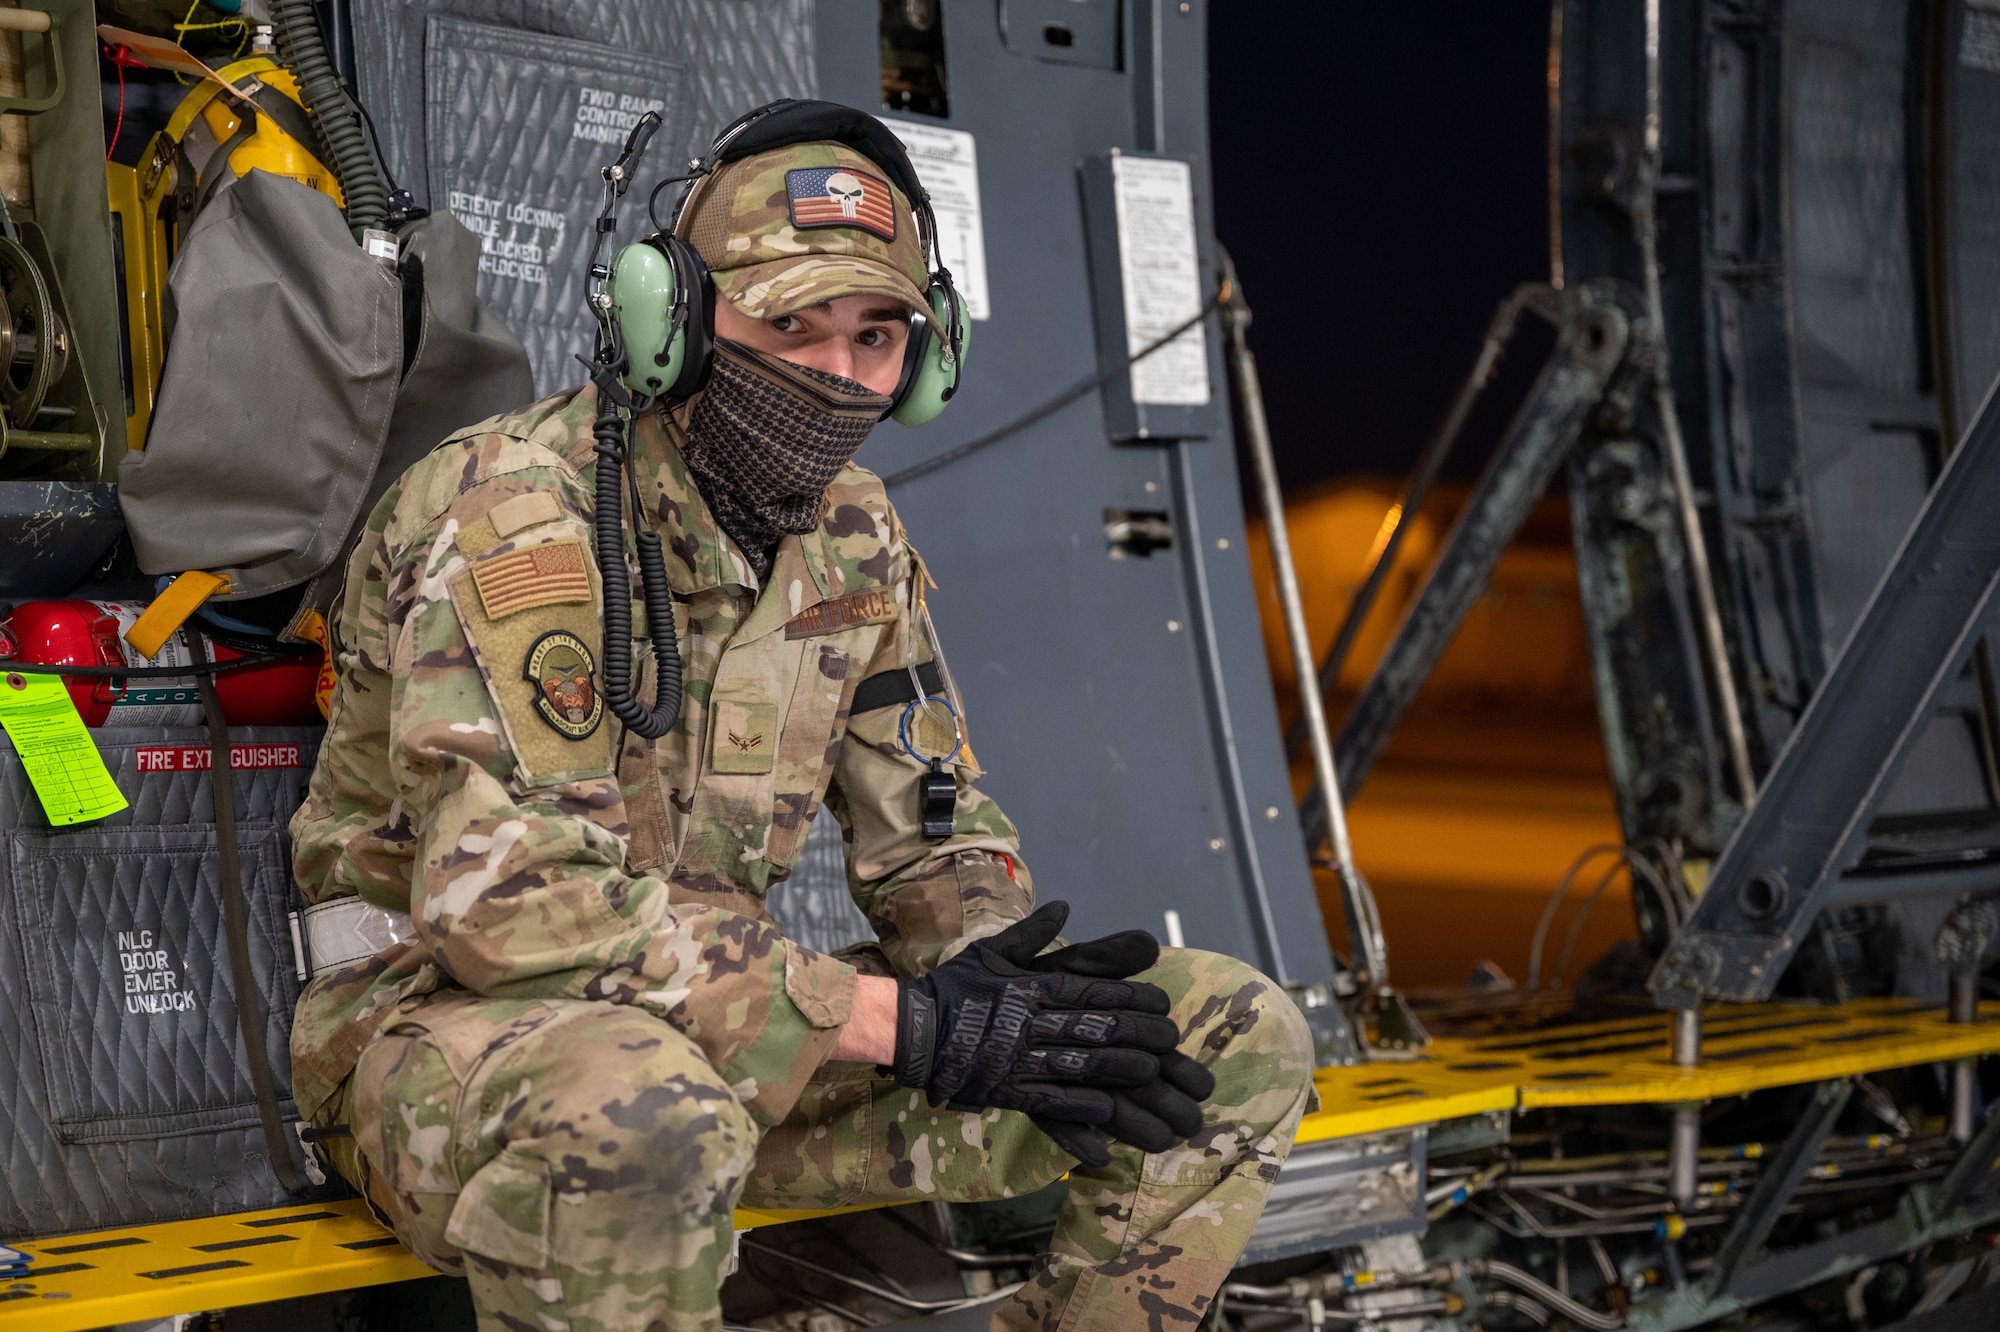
x=61 y=759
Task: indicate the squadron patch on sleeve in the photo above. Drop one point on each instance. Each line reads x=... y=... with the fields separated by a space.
x=562 y=670
x=541 y=575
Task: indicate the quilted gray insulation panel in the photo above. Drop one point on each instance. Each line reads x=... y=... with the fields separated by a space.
x=124 y=1091
x=502 y=112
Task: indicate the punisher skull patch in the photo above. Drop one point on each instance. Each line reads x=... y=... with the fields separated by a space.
x=839 y=197
x=561 y=668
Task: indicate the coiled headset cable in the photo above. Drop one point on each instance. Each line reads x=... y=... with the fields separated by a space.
x=612 y=431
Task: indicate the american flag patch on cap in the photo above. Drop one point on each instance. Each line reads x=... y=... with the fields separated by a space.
x=839 y=197
x=535 y=576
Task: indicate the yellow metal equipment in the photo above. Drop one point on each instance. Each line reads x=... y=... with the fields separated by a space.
x=209 y=117
x=184 y=163
x=144 y=1272
x=123 y=1276
x=1520 y=1063
x=1625 y=1061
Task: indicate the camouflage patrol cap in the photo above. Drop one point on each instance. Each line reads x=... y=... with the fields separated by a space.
x=795 y=226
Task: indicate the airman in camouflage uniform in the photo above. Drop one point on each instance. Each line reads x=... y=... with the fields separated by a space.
x=596 y=1042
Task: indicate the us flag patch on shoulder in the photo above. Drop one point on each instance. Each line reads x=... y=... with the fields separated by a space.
x=838 y=197
x=543 y=575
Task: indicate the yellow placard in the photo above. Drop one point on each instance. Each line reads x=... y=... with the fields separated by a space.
x=56 y=750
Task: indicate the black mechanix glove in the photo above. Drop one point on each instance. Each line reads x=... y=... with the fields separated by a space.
x=1064 y=1038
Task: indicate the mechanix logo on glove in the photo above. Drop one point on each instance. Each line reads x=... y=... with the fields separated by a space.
x=1064 y=1038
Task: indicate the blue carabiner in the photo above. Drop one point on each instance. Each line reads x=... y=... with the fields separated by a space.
x=903 y=729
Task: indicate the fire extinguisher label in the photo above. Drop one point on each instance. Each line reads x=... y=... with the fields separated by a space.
x=199 y=758
x=156 y=701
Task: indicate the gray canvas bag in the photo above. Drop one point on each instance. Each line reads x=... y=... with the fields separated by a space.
x=302 y=377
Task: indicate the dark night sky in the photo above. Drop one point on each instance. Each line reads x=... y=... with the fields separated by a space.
x=1381 y=184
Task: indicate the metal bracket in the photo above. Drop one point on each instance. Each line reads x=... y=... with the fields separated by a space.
x=1781 y=1180
x=1811 y=822
x=25 y=21
x=1975 y=1165
x=1594 y=325
x=1926 y=1214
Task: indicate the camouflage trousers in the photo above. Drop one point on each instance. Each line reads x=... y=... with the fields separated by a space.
x=579 y=1162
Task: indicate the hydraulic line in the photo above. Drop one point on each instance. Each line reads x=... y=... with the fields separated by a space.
x=1523 y=1225
x=1299 y=1289
x=1543 y=1293
x=1326 y=1318
x=302 y=48
x=1646 y=226
x=1448 y=1197
x=1570 y=1167
x=1520 y=1304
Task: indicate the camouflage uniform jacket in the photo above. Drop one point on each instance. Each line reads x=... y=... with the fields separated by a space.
x=543 y=857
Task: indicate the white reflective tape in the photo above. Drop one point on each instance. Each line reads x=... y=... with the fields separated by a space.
x=1175 y=939
x=339 y=934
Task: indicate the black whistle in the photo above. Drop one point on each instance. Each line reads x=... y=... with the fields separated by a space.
x=937 y=796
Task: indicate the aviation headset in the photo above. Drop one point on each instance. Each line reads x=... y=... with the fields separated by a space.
x=655 y=311
x=661 y=300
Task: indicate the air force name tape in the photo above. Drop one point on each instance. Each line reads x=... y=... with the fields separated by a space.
x=848 y=612
x=561 y=669
x=840 y=197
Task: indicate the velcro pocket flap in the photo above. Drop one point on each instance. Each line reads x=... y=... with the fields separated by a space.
x=744 y=733
x=503 y=1211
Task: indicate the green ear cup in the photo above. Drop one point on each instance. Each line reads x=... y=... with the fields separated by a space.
x=642 y=302
x=936 y=378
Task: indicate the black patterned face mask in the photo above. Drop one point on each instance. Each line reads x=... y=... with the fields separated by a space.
x=766 y=439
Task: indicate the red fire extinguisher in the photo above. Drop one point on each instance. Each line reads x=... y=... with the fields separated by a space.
x=90 y=633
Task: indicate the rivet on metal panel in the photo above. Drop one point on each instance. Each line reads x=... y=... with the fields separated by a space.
x=1173 y=626
x=1216 y=844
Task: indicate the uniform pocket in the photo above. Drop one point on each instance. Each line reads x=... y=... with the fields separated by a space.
x=503 y=1211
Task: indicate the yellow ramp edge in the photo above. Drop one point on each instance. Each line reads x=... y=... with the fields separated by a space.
x=79 y=1282
x=142 y=1272
x=1624 y=1061
x=124 y=1276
